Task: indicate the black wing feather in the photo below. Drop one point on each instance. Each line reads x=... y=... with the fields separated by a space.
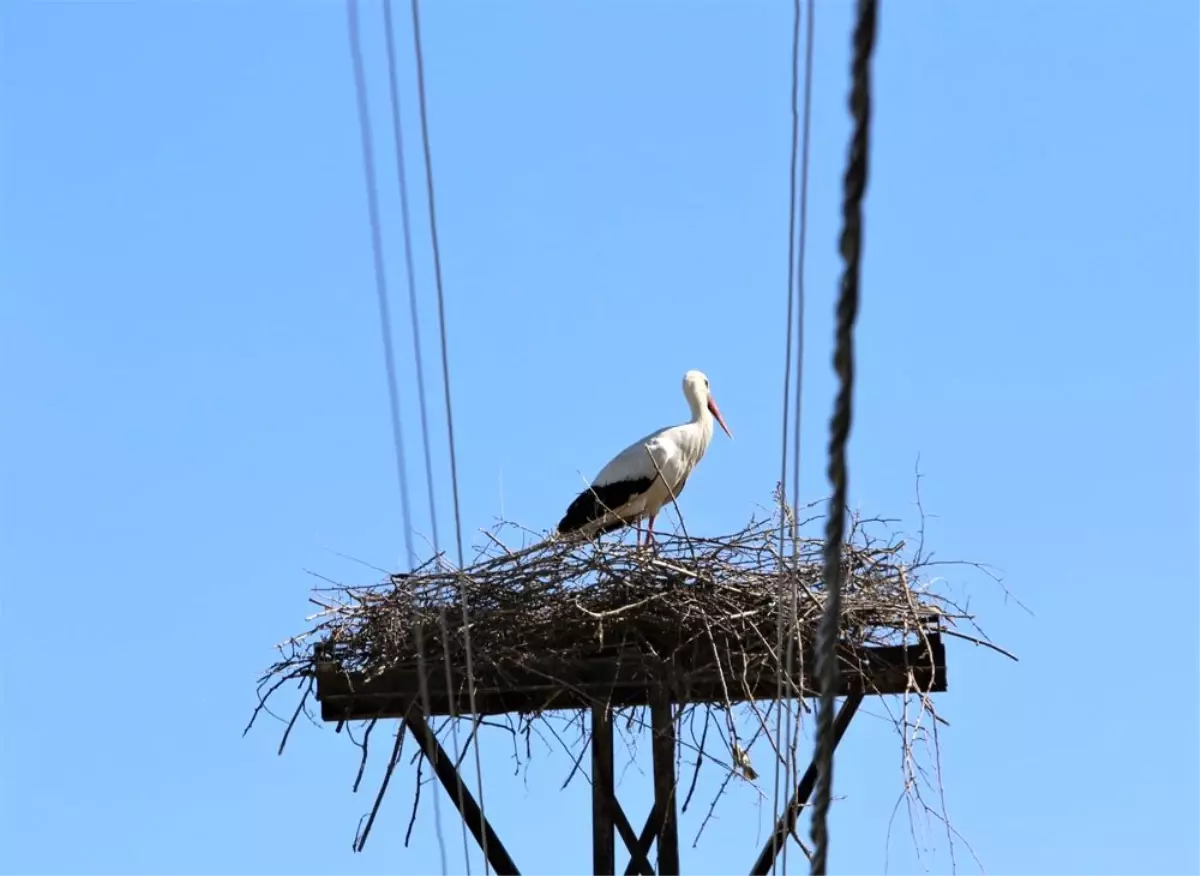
x=592 y=503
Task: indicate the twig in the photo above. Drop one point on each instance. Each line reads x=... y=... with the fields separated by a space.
x=383 y=786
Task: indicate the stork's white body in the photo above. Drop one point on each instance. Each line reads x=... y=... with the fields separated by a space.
x=648 y=473
x=665 y=459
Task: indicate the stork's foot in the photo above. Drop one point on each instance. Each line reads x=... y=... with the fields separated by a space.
x=649 y=544
x=646 y=544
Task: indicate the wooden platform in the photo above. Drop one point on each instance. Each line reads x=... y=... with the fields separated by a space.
x=601 y=679
x=620 y=677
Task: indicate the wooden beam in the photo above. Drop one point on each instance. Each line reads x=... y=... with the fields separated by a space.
x=662 y=725
x=787 y=821
x=604 y=850
x=619 y=678
x=639 y=862
x=645 y=841
x=607 y=813
x=443 y=767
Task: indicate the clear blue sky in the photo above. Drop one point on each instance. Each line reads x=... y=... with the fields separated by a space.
x=195 y=411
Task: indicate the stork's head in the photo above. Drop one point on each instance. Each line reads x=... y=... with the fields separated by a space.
x=695 y=388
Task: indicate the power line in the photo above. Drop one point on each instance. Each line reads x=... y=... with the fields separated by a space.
x=437 y=269
x=402 y=180
x=802 y=249
x=401 y=174
x=797 y=431
x=364 y=120
x=787 y=373
x=853 y=189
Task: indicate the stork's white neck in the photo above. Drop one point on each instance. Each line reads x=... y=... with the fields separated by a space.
x=701 y=416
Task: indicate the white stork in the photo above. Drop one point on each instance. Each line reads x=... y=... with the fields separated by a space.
x=648 y=473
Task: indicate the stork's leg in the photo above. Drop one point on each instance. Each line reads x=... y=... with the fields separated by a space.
x=650 y=530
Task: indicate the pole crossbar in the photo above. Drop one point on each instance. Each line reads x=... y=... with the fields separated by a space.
x=443 y=767
x=786 y=825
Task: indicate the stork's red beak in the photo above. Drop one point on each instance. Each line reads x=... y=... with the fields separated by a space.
x=716 y=412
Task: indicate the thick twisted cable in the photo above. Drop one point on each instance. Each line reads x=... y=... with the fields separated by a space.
x=854 y=188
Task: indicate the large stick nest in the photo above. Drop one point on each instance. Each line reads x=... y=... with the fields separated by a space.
x=556 y=606
x=732 y=613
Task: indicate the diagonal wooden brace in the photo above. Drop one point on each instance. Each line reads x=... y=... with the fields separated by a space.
x=443 y=766
x=661 y=823
x=645 y=841
x=639 y=852
x=607 y=813
x=787 y=822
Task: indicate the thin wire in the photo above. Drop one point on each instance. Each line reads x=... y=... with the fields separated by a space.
x=402 y=178
x=437 y=270
x=797 y=430
x=364 y=120
x=854 y=187
x=787 y=376
x=437 y=266
x=802 y=249
x=418 y=358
